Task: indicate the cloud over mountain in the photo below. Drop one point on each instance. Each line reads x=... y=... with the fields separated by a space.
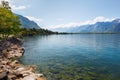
x=38 y=20
x=76 y=24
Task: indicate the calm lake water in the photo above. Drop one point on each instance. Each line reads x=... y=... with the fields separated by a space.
x=75 y=57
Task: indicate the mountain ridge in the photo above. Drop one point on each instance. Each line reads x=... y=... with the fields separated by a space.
x=26 y=23
x=98 y=27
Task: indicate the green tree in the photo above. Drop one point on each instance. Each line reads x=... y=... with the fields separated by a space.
x=9 y=22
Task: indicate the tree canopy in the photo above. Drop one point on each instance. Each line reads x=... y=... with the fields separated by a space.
x=9 y=22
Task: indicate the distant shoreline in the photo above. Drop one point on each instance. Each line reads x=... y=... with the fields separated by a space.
x=85 y=33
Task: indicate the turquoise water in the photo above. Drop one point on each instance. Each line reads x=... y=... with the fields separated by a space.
x=75 y=57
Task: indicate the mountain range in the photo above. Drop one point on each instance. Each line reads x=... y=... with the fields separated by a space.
x=28 y=24
x=99 y=27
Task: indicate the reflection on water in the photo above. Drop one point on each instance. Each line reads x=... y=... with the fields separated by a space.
x=75 y=57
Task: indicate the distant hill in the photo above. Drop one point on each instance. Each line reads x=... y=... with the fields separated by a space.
x=26 y=23
x=99 y=27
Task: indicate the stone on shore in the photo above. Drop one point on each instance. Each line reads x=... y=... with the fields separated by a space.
x=10 y=67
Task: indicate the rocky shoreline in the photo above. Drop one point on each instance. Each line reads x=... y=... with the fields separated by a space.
x=10 y=68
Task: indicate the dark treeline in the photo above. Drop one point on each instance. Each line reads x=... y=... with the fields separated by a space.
x=31 y=32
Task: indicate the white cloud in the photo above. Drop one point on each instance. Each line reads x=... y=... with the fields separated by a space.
x=75 y=24
x=18 y=7
x=38 y=20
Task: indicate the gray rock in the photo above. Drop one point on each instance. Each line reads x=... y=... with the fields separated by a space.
x=3 y=75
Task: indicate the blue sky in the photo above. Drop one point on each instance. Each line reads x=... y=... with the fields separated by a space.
x=62 y=12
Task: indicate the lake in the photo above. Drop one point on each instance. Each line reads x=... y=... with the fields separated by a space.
x=74 y=56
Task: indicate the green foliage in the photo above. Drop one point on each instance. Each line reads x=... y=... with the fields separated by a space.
x=31 y=32
x=9 y=23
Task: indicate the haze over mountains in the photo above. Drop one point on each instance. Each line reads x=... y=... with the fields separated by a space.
x=99 y=27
